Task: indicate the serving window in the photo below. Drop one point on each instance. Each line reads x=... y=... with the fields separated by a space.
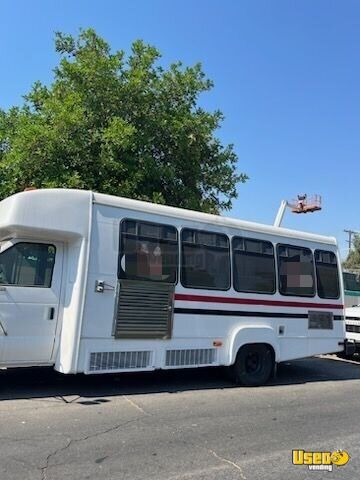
x=148 y=251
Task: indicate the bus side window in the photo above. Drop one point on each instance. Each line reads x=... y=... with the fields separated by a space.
x=205 y=260
x=327 y=274
x=148 y=251
x=253 y=266
x=296 y=271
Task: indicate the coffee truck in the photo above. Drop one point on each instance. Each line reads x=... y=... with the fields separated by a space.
x=92 y=283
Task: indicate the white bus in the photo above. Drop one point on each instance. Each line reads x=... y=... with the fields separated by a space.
x=99 y=284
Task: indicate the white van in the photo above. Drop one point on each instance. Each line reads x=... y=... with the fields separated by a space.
x=352 y=324
x=93 y=283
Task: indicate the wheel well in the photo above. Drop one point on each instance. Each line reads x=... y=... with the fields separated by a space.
x=250 y=370
x=270 y=347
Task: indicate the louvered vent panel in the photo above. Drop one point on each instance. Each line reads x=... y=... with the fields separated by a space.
x=144 y=310
x=105 y=361
x=191 y=357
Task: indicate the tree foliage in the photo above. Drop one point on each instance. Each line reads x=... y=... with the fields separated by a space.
x=353 y=258
x=121 y=125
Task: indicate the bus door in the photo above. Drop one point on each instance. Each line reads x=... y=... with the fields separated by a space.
x=30 y=281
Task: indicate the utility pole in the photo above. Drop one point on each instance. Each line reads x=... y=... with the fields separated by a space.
x=350 y=237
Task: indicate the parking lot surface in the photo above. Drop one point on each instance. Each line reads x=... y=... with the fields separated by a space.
x=178 y=425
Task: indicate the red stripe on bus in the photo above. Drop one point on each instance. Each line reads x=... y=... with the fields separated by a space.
x=251 y=301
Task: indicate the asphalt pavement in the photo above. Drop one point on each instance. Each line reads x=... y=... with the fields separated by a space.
x=178 y=425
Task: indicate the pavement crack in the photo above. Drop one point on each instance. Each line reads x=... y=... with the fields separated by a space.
x=58 y=450
x=233 y=464
x=72 y=441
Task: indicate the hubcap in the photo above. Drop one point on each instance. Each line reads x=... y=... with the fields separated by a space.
x=252 y=363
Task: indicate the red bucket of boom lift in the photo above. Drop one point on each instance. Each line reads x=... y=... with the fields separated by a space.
x=305 y=204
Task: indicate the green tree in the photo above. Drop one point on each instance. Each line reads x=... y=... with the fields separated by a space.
x=121 y=125
x=353 y=258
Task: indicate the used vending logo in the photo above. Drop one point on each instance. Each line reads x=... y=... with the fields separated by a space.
x=320 y=460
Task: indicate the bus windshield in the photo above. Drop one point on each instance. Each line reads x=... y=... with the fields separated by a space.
x=352 y=281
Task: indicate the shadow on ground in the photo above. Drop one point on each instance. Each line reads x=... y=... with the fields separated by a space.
x=94 y=389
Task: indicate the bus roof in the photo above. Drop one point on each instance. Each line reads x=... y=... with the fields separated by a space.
x=207 y=218
x=64 y=210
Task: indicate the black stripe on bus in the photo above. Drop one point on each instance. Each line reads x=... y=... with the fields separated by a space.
x=352 y=318
x=240 y=313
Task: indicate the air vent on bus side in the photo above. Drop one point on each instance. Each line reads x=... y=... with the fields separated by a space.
x=112 y=361
x=190 y=357
x=144 y=310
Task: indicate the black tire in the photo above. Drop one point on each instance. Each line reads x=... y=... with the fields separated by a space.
x=253 y=366
x=344 y=355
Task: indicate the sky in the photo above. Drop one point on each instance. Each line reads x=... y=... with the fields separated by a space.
x=286 y=75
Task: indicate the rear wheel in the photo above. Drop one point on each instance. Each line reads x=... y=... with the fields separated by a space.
x=253 y=366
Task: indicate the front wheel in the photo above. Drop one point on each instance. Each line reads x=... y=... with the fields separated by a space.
x=344 y=355
x=253 y=366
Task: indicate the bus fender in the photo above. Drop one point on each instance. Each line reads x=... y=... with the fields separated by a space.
x=252 y=334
